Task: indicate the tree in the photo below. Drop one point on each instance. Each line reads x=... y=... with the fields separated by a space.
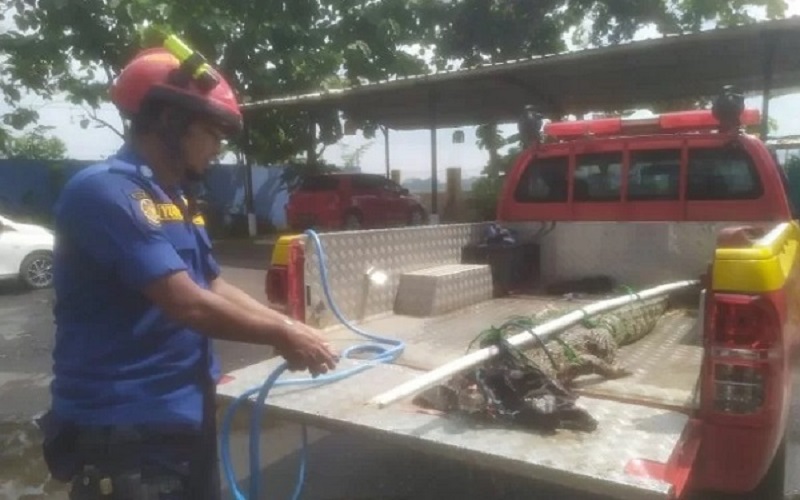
x=352 y=158
x=34 y=145
x=486 y=31
x=265 y=47
x=276 y=47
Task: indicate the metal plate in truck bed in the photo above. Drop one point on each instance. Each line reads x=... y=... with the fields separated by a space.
x=593 y=462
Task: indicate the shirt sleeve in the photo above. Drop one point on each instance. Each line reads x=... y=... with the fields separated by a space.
x=212 y=267
x=116 y=224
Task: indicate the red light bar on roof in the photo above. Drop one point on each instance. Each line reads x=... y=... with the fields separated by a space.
x=667 y=122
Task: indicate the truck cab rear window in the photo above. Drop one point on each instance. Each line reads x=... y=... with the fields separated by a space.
x=654 y=175
x=598 y=177
x=722 y=174
x=544 y=181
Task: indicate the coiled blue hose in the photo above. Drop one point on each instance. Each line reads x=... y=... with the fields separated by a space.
x=382 y=354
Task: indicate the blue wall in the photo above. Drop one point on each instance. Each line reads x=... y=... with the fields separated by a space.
x=29 y=188
x=225 y=185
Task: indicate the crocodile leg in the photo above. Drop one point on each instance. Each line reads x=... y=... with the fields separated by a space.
x=589 y=364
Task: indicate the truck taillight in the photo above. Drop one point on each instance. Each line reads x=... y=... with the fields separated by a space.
x=738 y=389
x=744 y=322
x=744 y=334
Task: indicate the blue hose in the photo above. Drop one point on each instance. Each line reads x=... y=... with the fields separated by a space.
x=382 y=354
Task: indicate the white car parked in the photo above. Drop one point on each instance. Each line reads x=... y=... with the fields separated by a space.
x=26 y=253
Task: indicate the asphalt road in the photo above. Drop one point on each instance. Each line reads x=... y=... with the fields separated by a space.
x=340 y=466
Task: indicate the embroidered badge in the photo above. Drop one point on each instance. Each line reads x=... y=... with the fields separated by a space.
x=139 y=195
x=150 y=211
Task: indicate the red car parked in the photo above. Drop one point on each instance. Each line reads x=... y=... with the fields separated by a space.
x=352 y=201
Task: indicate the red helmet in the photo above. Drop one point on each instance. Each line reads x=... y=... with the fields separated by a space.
x=156 y=74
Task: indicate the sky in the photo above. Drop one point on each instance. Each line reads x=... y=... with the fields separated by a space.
x=409 y=150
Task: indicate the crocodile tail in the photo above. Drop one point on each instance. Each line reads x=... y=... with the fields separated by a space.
x=634 y=321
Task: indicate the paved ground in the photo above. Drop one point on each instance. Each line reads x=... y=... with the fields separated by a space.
x=369 y=469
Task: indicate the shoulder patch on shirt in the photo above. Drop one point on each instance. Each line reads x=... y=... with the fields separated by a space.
x=139 y=195
x=150 y=211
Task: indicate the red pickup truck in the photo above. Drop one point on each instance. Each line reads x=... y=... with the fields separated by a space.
x=678 y=196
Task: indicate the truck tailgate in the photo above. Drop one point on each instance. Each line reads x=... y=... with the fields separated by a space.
x=594 y=462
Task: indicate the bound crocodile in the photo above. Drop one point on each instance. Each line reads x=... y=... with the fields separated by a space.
x=589 y=348
x=530 y=388
x=509 y=388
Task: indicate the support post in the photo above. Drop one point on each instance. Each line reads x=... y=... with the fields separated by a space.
x=769 y=57
x=494 y=157
x=249 y=200
x=452 y=204
x=386 y=150
x=249 y=203
x=432 y=105
x=312 y=140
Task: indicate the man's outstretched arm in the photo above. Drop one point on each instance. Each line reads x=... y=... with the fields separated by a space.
x=220 y=317
x=242 y=299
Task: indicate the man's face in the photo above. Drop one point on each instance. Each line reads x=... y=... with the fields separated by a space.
x=202 y=143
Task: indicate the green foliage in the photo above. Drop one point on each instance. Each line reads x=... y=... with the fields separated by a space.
x=33 y=145
x=352 y=157
x=486 y=189
x=266 y=48
x=480 y=31
x=485 y=193
x=295 y=171
x=269 y=48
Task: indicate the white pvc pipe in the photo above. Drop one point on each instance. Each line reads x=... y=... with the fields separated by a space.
x=543 y=331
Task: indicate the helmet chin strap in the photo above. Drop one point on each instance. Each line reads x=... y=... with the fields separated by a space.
x=171 y=133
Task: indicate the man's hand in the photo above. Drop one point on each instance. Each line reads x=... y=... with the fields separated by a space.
x=301 y=345
x=303 y=348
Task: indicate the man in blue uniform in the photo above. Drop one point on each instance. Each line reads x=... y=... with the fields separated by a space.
x=139 y=294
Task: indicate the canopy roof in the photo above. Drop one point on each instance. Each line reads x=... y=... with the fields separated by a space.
x=607 y=78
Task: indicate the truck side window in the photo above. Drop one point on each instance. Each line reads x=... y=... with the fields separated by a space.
x=654 y=175
x=597 y=177
x=319 y=183
x=367 y=182
x=722 y=174
x=544 y=181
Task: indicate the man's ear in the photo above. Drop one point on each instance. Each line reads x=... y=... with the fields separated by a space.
x=173 y=123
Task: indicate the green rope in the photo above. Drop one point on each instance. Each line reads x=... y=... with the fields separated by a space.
x=494 y=334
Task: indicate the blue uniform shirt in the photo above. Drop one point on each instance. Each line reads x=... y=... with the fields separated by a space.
x=118 y=359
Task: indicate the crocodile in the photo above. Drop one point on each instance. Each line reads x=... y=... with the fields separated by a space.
x=531 y=388
x=590 y=347
x=509 y=388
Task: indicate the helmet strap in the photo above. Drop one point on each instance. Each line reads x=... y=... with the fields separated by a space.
x=171 y=133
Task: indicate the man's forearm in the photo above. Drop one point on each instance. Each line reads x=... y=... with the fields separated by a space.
x=211 y=314
x=222 y=318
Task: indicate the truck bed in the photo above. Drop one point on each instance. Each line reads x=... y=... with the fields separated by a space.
x=641 y=417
